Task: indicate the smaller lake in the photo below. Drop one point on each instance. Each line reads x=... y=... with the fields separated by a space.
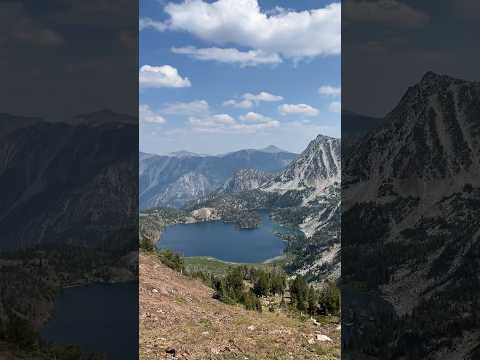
x=225 y=241
x=100 y=318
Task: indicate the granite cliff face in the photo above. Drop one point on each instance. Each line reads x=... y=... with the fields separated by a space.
x=318 y=167
x=410 y=206
x=431 y=135
x=246 y=179
x=309 y=192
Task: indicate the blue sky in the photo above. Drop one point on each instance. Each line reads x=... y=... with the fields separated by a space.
x=218 y=76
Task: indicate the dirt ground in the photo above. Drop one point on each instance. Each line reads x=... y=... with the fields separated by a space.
x=179 y=319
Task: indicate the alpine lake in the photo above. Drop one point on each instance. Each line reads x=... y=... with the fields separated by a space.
x=226 y=242
x=102 y=317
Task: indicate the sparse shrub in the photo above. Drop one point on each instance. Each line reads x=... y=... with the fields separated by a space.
x=330 y=298
x=250 y=301
x=298 y=293
x=172 y=260
x=262 y=284
x=146 y=244
x=21 y=332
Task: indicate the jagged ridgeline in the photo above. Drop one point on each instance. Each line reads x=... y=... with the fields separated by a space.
x=411 y=219
x=173 y=180
x=68 y=182
x=303 y=192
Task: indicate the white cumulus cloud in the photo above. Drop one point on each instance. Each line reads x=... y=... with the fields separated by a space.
x=187 y=108
x=335 y=107
x=329 y=90
x=148 y=23
x=229 y=55
x=161 y=76
x=255 y=117
x=147 y=115
x=224 y=123
x=262 y=96
x=252 y=128
x=292 y=34
x=212 y=121
x=248 y=100
x=242 y=104
x=298 y=109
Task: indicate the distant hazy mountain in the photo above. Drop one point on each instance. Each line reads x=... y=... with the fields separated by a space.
x=411 y=191
x=144 y=156
x=9 y=123
x=103 y=117
x=68 y=182
x=183 y=153
x=174 y=180
x=272 y=149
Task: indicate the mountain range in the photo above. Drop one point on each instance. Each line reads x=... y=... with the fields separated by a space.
x=410 y=193
x=71 y=182
x=173 y=180
x=305 y=194
x=311 y=186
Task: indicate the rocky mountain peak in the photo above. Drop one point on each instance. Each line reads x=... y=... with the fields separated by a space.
x=9 y=122
x=429 y=136
x=433 y=77
x=272 y=149
x=317 y=167
x=184 y=153
x=430 y=84
x=101 y=117
x=416 y=178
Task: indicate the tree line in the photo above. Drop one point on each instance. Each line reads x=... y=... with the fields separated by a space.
x=247 y=285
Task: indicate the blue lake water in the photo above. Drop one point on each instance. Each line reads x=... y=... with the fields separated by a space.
x=100 y=318
x=225 y=241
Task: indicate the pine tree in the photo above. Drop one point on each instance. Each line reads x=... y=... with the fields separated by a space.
x=262 y=285
x=312 y=300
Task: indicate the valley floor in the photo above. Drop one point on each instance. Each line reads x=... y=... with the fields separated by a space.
x=180 y=319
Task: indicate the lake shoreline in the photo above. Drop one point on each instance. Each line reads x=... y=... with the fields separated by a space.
x=224 y=241
x=100 y=304
x=211 y=258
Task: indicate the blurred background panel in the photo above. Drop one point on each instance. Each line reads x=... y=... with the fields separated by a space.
x=68 y=179
x=410 y=179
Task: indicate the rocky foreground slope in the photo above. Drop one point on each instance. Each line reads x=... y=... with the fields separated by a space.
x=179 y=319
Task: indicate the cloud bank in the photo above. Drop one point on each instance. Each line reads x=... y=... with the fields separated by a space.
x=298 y=109
x=329 y=90
x=286 y=33
x=229 y=55
x=147 y=115
x=248 y=100
x=161 y=76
